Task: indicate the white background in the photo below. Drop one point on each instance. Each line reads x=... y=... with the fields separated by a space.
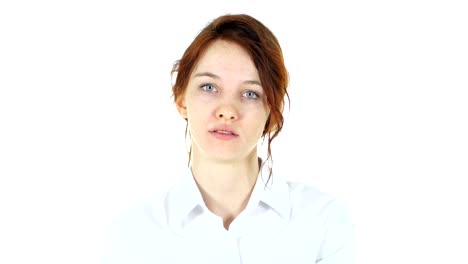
x=378 y=117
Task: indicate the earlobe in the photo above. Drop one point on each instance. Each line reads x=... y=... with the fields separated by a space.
x=182 y=108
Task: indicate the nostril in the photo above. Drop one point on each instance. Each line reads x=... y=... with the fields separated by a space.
x=226 y=115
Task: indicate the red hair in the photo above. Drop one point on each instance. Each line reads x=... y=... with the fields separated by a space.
x=265 y=51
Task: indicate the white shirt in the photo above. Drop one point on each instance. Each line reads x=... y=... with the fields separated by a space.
x=283 y=222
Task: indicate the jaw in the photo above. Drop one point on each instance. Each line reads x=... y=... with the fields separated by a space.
x=221 y=151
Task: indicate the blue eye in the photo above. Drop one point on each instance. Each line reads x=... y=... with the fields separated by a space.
x=251 y=95
x=208 y=88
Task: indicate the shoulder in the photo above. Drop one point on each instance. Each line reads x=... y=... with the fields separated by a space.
x=143 y=214
x=328 y=217
x=135 y=231
x=311 y=201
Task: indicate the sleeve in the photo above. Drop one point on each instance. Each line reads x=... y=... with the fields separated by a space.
x=338 y=245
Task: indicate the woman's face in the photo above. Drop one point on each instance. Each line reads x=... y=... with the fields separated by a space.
x=224 y=104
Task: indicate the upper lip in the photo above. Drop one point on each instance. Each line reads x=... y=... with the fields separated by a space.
x=224 y=128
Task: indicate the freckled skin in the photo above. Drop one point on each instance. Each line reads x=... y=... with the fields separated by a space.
x=224 y=89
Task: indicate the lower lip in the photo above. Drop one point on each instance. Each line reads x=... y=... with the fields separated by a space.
x=223 y=136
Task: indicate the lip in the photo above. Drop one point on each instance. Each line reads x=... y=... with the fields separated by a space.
x=231 y=133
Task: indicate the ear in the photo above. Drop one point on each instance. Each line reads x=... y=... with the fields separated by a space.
x=182 y=107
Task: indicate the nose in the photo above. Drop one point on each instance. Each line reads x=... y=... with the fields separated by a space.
x=227 y=112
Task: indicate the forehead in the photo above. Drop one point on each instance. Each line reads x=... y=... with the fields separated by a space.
x=223 y=56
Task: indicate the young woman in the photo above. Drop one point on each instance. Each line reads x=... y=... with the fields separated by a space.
x=230 y=207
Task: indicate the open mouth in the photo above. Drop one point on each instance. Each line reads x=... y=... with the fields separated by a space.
x=224 y=132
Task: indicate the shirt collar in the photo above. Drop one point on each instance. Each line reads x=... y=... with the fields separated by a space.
x=184 y=197
x=272 y=191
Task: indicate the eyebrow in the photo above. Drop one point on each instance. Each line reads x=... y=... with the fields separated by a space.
x=214 y=76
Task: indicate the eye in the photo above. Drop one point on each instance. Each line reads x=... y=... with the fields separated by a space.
x=208 y=88
x=251 y=95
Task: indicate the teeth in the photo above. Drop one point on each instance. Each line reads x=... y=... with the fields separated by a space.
x=223 y=132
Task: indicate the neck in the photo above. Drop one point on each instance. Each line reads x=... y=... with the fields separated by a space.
x=226 y=185
x=225 y=177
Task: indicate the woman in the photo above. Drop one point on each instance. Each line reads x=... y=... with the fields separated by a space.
x=230 y=208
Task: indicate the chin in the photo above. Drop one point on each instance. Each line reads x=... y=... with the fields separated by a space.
x=227 y=153
x=226 y=158
x=232 y=156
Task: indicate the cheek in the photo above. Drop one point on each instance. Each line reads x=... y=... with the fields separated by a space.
x=198 y=113
x=197 y=102
x=261 y=120
x=265 y=120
